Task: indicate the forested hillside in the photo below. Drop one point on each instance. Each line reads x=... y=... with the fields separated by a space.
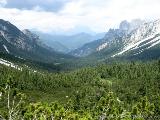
x=119 y=91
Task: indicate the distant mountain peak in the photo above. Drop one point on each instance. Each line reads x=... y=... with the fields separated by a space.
x=128 y=27
x=26 y=31
x=124 y=25
x=33 y=37
x=4 y=21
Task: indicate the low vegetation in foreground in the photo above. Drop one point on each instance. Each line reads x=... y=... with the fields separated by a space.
x=120 y=91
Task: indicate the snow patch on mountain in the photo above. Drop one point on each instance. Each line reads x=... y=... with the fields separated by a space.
x=101 y=47
x=10 y=64
x=139 y=52
x=157 y=42
x=20 y=57
x=7 y=63
x=152 y=40
x=2 y=33
x=5 y=47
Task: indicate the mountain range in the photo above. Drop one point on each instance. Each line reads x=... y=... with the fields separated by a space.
x=135 y=40
x=132 y=40
x=67 y=43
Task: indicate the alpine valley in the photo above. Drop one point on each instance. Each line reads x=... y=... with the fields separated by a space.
x=135 y=40
x=106 y=76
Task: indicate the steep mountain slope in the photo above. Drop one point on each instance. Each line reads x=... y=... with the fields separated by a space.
x=147 y=36
x=12 y=35
x=111 y=40
x=112 y=37
x=57 y=46
x=18 y=62
x=86 y=49
x=26 y=45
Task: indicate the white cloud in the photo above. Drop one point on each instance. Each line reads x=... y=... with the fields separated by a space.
x=3 y=3
x=99 y=15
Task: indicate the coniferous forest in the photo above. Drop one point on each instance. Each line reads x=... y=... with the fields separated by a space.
x=118 y=91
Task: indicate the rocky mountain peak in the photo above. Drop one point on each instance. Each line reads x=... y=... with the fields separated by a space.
x=124 y=25
x=128 y=27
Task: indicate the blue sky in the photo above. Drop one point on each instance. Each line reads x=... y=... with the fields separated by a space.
x=47 y=5
x=64 y=16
